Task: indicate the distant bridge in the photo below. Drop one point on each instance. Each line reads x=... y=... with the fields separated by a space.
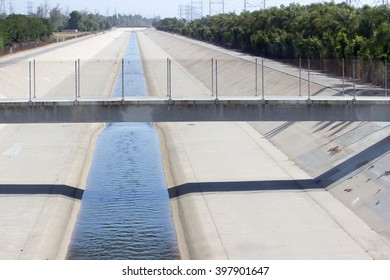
x=149 y=109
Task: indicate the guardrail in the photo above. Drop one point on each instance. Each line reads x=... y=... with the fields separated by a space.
x=195 y=110
x=215 y=77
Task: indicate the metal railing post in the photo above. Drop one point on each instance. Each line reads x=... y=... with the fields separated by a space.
x=212 y=77
x=308 y=79
x=29 y=80
x=385 y=77
x=262 y=80
x=343 y=67
x=354 y=78
x=35 y=88
x=216 y=79
x=79 y=79
x=167 y=77
x=123 y=79
x=75 y=79
x=256 y=75
x=170 y=79
x=300 y=76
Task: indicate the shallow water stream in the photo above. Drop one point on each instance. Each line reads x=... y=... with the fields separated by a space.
x=125 y=211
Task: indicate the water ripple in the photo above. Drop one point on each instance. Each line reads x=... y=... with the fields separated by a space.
x=125 y=210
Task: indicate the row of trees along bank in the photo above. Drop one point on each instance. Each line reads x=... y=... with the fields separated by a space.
x=20 y=28
x=326 y=30
x=16 y=29
x=39 y=26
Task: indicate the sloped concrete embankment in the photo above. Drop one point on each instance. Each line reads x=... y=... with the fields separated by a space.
x=230 y=203
x=44 y=167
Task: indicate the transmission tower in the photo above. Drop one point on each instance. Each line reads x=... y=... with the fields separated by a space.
x=193 y=10
x=381 y=3
x=11 y=7
x=354 y=3
x=185 y=12
x=2 y=7
x=29 y=8
x=216 y=7
x=196 y=9
x=254 y=5
x=46 y=9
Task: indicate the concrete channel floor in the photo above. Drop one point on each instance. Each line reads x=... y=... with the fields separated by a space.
x=43 y=167
x=236 y=196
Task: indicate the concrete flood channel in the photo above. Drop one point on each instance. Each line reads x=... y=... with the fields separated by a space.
x=125 y=211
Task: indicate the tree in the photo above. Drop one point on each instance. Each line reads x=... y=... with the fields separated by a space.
x=342 y=45
x=40 y=29
x=381 y=41
x=89 y=23
x=42 y=10
x=57 y=18
x=74 y=20
x=17 y=28
x=3 y=35
x=259 y=42
x=20 y=29
x=321 y=30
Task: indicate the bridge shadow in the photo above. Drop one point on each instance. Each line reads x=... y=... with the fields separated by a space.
x=239 y=186
x=367 y=92
x=350 y=165
x=278 y=130
x=322 y=181
x=62 y=190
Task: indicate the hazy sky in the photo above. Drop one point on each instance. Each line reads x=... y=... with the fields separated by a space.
x=149 y=8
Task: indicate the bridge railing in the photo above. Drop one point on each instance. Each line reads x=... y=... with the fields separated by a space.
x=246 y=76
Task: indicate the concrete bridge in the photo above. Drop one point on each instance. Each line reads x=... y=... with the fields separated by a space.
x=147 y=109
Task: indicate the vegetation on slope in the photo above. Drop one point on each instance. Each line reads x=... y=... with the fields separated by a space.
x=19 y=28
x=324 y=31
x=40 y=25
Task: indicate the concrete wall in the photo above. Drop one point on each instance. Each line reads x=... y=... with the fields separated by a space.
x=193 y=110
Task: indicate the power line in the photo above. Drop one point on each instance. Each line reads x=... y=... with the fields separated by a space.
x=184 y=12
x=191 y=11
x=196 y=9
x=254 y=4
x=381 y=3
x=216 y=7
x=354 y=3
